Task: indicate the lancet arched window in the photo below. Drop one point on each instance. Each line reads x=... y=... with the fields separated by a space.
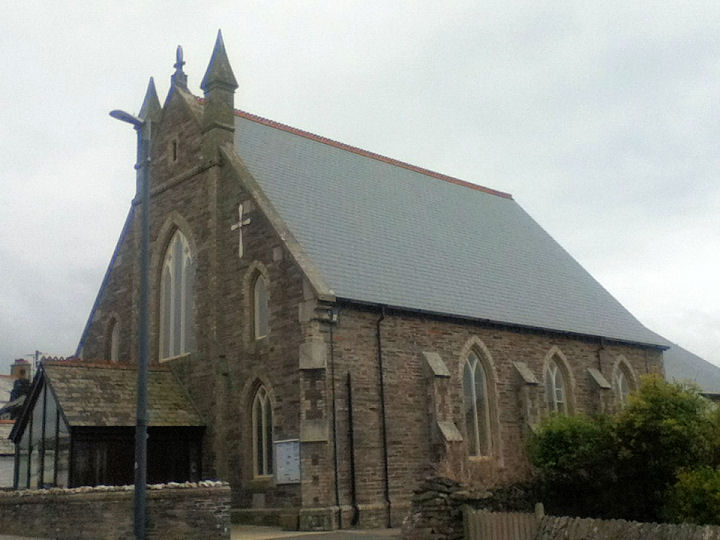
x=623 y=383
x=622 y=388
x=555 y=388
x=262 y=433
x=176 y=298
x=476 y=406
x=112 y=340
x=260 y=307
x=113 y=349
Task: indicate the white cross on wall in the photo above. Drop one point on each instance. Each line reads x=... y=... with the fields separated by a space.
x=238 y=227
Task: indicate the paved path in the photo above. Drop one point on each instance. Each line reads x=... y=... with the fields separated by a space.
x=253 y=532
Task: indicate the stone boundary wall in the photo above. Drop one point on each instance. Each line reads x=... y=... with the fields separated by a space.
x=562 y=528
x=189 y=510
x=436 y=511
x=439 y=504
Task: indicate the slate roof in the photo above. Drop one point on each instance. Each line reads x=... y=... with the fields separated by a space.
x=100 y=395
x=682 y=365
x=387 y=233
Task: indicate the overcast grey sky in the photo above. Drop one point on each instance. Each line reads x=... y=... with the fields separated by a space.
x=602 y=120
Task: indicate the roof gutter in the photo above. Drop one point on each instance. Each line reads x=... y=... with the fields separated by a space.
x=417 y=311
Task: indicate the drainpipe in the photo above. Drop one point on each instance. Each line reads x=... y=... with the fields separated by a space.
x=351 y=435
x=333 y=319
x=382 y=414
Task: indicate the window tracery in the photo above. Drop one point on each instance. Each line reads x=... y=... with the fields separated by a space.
x=176 y=298
x=476 y=406
x=262 y=433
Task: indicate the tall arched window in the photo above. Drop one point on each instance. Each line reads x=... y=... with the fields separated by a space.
x=262 y=433
x=623 y=383
x=555 y=391
x=476 y=407
x=176 y=298
x=112 y=346
x=115 y=342
x=622 y=388
x=260 y=307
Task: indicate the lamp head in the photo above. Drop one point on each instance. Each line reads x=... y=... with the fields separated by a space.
x=126 y=117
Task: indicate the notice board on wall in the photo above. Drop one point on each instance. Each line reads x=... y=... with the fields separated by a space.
x=287 y=461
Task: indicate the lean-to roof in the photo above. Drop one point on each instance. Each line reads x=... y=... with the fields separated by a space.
x=103 y=395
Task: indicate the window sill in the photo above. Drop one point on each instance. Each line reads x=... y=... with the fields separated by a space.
x=177 y=357
x=261 y=481
x=481 y=459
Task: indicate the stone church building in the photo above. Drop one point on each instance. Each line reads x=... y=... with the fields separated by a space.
x=343 y=322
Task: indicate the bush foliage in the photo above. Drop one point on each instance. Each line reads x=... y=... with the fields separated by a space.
x=575 y=455
x=626 y=465
x=695 y=497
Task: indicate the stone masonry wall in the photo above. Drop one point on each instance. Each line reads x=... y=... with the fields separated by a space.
x=246 y=362
x=561 y=528
x=227 y=364
x=414 y=445
x=174 y=511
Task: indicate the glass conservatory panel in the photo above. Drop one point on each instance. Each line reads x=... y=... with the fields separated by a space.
x=36 y=434
x=63 y=450
x=23 y=460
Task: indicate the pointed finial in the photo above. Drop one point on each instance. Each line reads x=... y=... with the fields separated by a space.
x=179 y=62
x=151 y=104
x=179 y=78
x=219 y=72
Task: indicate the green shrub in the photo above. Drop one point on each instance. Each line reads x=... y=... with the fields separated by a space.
x=695 y=497
x=575 y=457
x=666 y=428
x=624 y=465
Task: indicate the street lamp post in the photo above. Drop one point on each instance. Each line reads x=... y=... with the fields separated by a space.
x=143 y=127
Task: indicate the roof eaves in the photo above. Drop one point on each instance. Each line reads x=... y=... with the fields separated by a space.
x=502 y=323
x=99 y=364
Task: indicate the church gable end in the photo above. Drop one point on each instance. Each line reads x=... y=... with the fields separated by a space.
x=331 y=369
